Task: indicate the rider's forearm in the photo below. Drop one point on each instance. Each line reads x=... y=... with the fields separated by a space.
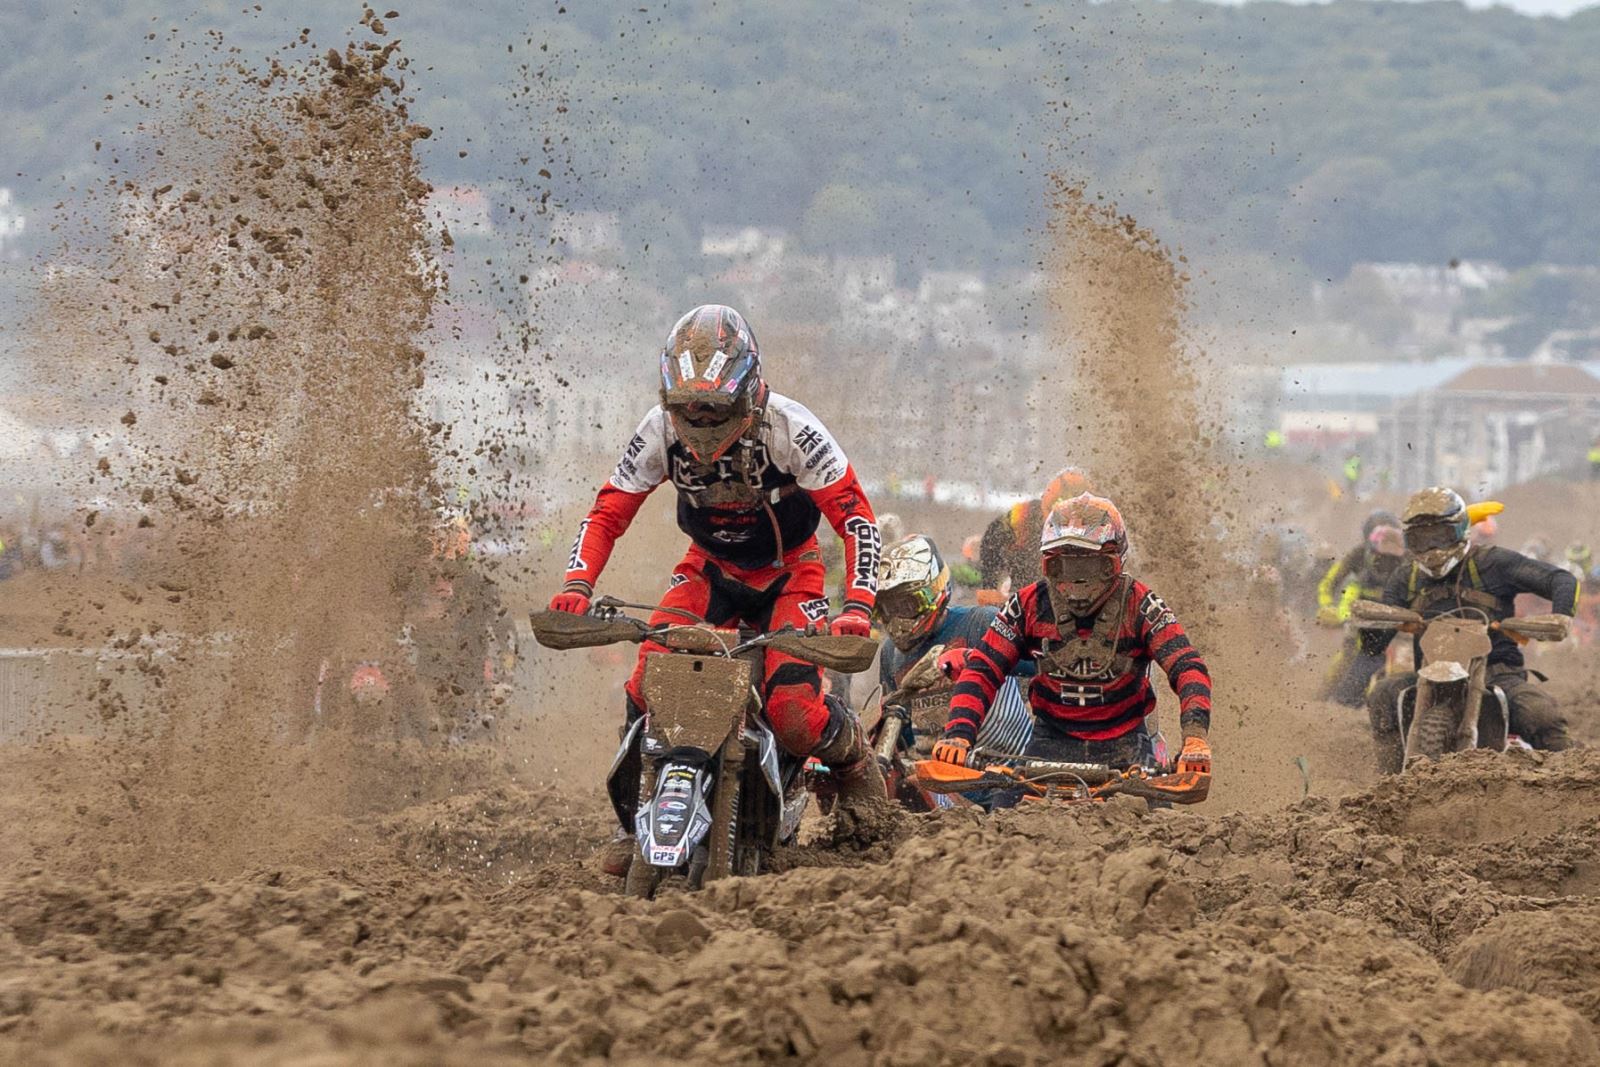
x=844 y=504
x=608 y=520
x=1330 y=581
x=974 y=693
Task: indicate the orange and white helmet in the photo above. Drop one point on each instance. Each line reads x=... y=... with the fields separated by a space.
x=1083 y=544
x=1069 y=482
x=1086 y=522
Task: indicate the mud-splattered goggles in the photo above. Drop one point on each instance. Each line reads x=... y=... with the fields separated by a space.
x=1074 y=568
x=909 y=602
x=1426 y=537
x=703 y=415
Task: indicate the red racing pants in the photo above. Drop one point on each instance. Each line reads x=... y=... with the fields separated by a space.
x=762 y=598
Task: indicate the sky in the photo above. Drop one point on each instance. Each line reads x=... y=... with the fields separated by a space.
x=1526 y=7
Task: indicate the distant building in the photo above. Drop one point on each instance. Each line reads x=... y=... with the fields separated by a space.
x=743 y=242
x=1323 y=405
x=1493 y=425
x=587 y=233
x=12 y=221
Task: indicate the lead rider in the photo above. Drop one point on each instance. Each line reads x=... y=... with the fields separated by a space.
x=754 y=471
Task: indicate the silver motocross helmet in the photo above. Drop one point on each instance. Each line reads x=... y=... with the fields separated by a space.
x=1436 y=525
x=913 y=589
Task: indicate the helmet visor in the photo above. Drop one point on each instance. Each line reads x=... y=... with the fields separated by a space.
x=1425 y=537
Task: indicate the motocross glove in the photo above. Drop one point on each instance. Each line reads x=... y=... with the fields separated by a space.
x=851 y=623
x=1329 y=616
x=1195 y=757
x=952 y=750
x=570 y=600
x=953 y=661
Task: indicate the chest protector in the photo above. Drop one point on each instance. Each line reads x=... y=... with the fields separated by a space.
x=1092 y=658
x=1466 y=587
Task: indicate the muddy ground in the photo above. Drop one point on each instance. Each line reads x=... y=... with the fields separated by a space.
x=440 y=906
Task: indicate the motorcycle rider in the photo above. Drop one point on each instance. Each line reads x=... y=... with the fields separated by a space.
x=754 y=471
x=915 y=612
x=1352 y=669
x=1448 y=573
x=1094 y=630
x=1007 y=550
x=1333 y=606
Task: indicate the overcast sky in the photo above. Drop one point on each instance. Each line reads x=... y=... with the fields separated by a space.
x=1527 y=7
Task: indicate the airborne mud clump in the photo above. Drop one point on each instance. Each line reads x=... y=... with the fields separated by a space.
x=1133 y=411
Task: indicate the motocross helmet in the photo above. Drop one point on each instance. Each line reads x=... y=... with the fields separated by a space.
x=1386 y=546
x=1436 y=529
x=1580 y=559
x=711 y=384
x=1083 y=544
x=913 y=590
x=1068 y=483
x=1378 y=518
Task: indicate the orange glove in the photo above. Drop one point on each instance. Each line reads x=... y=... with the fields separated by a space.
x=851 y=623
x=570 y=601
x=1195 y=757
x=952 y=750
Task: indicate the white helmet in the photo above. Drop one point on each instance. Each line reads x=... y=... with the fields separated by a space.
x=913 y=589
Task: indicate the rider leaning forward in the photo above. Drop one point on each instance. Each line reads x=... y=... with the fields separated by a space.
x=1448 y=573
x=1095 y=631
x=754 y=472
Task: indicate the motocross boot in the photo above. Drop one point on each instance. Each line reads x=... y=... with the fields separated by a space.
x=617 y=856
x=624 y=785
x=852 y=765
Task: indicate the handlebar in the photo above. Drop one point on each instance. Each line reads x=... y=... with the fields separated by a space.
x=607 y=624
x=1371 y=615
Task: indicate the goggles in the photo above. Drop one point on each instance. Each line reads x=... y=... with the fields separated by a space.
x=1429 y=536
x=906 y=602
x=704 y=416
x=1080 y=567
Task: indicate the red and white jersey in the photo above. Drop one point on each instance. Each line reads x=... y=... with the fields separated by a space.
x=796 y=473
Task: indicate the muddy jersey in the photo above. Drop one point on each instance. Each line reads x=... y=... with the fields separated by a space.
x=1088 y=706
x=750 y=507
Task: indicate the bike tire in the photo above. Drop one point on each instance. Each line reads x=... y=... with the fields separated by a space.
x=1434 y=728
x=643 y=879
x=724 y=819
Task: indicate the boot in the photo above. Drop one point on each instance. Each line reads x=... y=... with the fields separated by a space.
x=624 y=789
x=852 y=765
x=617 y=856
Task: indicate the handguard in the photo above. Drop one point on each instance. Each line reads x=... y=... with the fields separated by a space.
x=837 y=652
x=562 y=630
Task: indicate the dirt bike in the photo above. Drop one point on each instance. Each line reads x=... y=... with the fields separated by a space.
x=1057 y=782
x=1434 y=713
x=717 y=793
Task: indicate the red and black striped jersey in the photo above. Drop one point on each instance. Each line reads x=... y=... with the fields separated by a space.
x=1092 y=710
